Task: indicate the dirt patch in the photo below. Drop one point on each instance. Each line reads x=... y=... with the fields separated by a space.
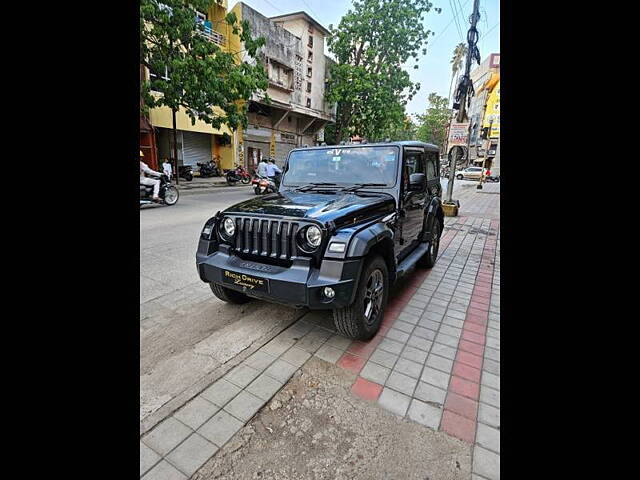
x=315 y=428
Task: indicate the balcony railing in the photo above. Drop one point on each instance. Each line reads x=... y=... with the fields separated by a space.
x=212 y=35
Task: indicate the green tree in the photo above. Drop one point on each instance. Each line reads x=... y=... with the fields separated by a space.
x=434 y=123
x=192 y=72
x=399 y=131
x=371 y=45
x=456 y=63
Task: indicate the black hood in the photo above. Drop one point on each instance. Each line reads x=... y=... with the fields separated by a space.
x=341 y=208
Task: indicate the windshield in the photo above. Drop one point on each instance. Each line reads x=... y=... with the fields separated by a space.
x=343 y=166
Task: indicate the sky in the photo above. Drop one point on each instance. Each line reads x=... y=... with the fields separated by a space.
x=434 y=69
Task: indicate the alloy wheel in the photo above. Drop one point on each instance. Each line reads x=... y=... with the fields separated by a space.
x=373 y=296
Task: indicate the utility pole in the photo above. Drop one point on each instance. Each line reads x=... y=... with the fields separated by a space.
x=464 y=91
x=486 y=154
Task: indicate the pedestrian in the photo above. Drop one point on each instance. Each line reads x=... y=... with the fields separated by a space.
x=166 y=167
x=144 y=180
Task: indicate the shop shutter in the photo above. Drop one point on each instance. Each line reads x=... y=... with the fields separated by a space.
x=197 y=148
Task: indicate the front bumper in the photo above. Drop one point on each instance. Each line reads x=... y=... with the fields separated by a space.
x=300 y=285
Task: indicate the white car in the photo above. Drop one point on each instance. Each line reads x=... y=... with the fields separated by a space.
x=469 y=173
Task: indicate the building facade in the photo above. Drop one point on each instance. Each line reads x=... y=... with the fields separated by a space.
x=200 y=142
x=294 y=60
x=486 y=84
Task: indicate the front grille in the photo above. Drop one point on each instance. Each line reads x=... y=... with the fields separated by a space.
x=267 y=239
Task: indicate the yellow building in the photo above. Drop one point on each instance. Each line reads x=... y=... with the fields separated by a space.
x=200 y=142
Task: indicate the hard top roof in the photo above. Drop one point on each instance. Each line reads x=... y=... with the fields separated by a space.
x=403 y=143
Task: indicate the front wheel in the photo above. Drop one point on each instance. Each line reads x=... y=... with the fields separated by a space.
x=361 y=320
x=428 y=260
x=188 y=177
x=459 y=177
x=228 y=295
x=171 y=196
x=257 y=190
x=245 y=180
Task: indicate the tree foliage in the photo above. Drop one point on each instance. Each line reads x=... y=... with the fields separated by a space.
x=434 y=123
x=459 y=53
x=199 y=74
x=372 y=43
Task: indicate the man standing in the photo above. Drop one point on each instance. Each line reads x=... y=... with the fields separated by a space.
x=144 y=169
x=273 y=172
x=166 y=167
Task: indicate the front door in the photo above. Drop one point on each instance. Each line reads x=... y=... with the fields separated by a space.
x=413 y=203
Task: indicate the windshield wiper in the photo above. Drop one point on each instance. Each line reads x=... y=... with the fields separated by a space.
x=311 y=186
x=358 y=186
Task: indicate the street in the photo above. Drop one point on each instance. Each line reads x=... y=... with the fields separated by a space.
x=185 y=332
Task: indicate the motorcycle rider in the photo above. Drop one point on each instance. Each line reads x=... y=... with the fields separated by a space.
x=144 y=169
x=274 y=172
x=262 y=168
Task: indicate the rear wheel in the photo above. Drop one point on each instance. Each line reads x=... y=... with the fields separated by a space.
x=171 y=196
x=428 y=260
x=228 y=295
x=188 y=177
x=361 y=320
x=245 y=180
x=460 y=177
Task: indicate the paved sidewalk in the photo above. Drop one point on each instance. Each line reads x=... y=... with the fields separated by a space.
x=435 y=360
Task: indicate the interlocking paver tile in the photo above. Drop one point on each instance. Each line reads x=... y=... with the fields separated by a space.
x=191 y=454
x=375 y=372
x=455 y=314
x=489 y=415
x=417 y=303
x=491 y=366
x=383 y=358
x=436 y=309
x=424 y=333
x=148 y=458
x=493 y=343
x=402 y=383
x=196 y=412
x=165 y=436
x=244 y=406
x=490 y=380
x=444 y=339
x=439 y=302
x=295 y=356
x=420 y=343
x=425 y=414
x=242 y=375
x=393 y=401
x=486 y=463
x=311 y=342
x=414 y=354
x=452 y=322
x=366 y=389
x=463 y=406
x=412 y=310
x=389 y=345
x=449 y=330
x=434 y=316
x=339 y=342
x=397 y=335
x=429 y=324
x=467 y=372
x=281 y=370
x=435 y=377
x=408 y=367
x=220 y=392
x=429 y=393
x=492 y=354
x=488 y=437
x=164 y=471
x=328 y=353
x=260 y=360
x=444 y=351
x=464 y=387
x=458 y=426
x=278 y=346
x=409 y=318
x=264 y=387
x=440 y=363
x=220 y=428
x=492 y=332
x=490 y=396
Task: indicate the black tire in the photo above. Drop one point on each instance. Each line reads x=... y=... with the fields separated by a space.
x=257 y=190
x=171 y=196
x=429 y=259
x=188 y=177
x=228 y=295
x=351 y=321
x=459 y=177
x=245 y=180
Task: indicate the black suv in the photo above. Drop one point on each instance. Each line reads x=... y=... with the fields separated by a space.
x=346 y=222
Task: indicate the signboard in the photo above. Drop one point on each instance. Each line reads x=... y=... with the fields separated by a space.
x=458 y=134
x=272 y=145
x=495 y=60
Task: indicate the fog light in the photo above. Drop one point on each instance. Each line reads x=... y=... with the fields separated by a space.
x=329 y=292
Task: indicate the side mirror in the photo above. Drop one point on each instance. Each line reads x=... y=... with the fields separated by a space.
x=417 y=182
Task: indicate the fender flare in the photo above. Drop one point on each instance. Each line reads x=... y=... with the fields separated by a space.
x=432 y=211
x=364 y=240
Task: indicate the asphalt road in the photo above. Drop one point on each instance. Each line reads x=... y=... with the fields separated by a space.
x=186 y=333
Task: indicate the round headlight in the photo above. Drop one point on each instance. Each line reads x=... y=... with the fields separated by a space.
x=314 y=236
x=229 y=227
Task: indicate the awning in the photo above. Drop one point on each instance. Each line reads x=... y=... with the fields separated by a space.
x=491 y=83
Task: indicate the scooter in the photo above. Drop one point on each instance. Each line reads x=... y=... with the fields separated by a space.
x=186 y=172
x=168 y=193
x=263 y=185
x=209 y=169
x=240 y=174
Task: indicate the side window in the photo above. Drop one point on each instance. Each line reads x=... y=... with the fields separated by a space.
x=432 y=169
x=414 y=160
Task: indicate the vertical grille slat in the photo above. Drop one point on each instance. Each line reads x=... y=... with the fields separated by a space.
x=292 y=239
x=247 y=235
x=239 y=234
x=275 y=226
x=266 y=238
x=284 y=240
x=255 y=230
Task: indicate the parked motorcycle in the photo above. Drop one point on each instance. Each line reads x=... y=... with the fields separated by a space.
x=263 y=185
x=168 y=193
x=186 y=172
x=240 y=174
x=209 y=169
